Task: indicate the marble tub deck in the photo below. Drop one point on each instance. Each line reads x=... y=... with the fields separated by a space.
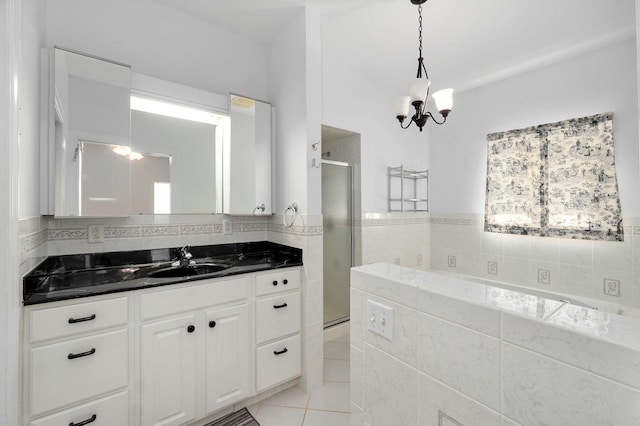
x=476 y=354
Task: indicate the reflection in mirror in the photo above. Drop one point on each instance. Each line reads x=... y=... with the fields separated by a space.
x=104 y=178
x=91 y=98
x=177 y=173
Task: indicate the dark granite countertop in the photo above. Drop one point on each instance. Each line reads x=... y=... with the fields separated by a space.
x=81 y=275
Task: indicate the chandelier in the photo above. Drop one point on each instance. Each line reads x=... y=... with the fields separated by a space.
x=419 y=91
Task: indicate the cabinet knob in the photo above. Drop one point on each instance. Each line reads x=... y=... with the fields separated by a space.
x=275 y=282
x=212 y=324
x=191 y=329
x=285 y=282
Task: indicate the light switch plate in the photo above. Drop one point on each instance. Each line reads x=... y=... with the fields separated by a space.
x=380 y=318
x=95 y=233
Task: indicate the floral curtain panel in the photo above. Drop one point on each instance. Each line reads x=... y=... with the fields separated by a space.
x=555 y=180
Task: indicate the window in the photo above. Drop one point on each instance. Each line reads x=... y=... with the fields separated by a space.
x=554 y=180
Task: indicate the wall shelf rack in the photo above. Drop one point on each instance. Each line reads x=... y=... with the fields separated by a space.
x=408 y=190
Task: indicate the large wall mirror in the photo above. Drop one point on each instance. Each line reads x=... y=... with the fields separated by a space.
x=128 y=144
x=92 y=124
x=177 y=169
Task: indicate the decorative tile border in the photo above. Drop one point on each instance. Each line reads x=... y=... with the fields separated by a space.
x=30 y=242
x=456 y=221
x=122 y=232
x=386 y=221
x=196 y=229
x=67 y=234
x=303 y=231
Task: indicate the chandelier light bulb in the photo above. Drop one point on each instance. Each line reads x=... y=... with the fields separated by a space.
x=444 y=101
x=402 y=106
x=418 y=89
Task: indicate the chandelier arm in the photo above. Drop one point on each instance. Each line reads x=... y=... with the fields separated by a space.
x=434 y=119
x=407 y=126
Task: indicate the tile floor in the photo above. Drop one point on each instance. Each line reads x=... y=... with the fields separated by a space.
x=328 y=405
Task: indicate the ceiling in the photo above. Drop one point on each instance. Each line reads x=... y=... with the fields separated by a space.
x=466 y=42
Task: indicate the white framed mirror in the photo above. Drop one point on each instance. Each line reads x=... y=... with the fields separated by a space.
x=247 y=158
x=91 y=97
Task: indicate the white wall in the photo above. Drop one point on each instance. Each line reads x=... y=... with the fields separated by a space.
x=598 y=81
x=31 y=39
x=160 y=42
x=353 y=101
x=601 y=80
x=287 y=92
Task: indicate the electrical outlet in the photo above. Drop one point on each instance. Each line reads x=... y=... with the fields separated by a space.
x=380 y=319
x=611 y=287
x=396 y=260
x=451 y=261
x=95 y=233
x=419 y=260
x=492 y=268
x=227 y=227
x=544 y=276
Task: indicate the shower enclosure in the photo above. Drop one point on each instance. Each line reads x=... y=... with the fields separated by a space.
x=337 y=212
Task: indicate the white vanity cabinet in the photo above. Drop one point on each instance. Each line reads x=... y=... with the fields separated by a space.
x=77 y=359
x=166 y=355
x=278 y=350
x=194 y=350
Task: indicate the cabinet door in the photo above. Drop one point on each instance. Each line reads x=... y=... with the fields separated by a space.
x=227 y=351
x=168 y=371
x=247 y=158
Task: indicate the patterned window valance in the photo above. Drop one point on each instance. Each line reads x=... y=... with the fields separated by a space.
x=555 y=180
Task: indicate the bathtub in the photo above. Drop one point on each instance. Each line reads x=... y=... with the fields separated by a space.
x=470 y=351
x=585 y=302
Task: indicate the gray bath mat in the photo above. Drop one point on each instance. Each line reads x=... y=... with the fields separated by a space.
x=237 y=418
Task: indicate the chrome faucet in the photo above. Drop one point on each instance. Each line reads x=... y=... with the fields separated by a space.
x=184 y=257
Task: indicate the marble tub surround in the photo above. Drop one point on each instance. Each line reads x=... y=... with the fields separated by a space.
x=89 y=274
x=475 y=354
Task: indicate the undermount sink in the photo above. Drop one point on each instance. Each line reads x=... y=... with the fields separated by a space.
x=187 y=271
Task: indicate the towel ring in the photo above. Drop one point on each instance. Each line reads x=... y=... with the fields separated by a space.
x=291 y=212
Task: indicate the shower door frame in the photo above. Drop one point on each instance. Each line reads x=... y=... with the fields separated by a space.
x=351 y=239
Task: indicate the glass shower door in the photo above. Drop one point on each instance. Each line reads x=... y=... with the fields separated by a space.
x=337 y=240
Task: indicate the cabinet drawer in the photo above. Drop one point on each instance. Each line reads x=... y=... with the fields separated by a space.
x=280 y=280
x=75 y=370
x=277 y=362
x=109 y=411
x=52 y=323
x=209 y=293
x=277 y=316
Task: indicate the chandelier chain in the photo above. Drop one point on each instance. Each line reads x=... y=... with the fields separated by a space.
x=420 y=29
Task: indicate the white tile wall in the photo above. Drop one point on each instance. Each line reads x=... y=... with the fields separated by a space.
x=524 y=362
x=576 y=267
x=562 y=394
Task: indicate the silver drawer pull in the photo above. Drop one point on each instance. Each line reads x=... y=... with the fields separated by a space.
x=75 y=320
x=80 y=355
